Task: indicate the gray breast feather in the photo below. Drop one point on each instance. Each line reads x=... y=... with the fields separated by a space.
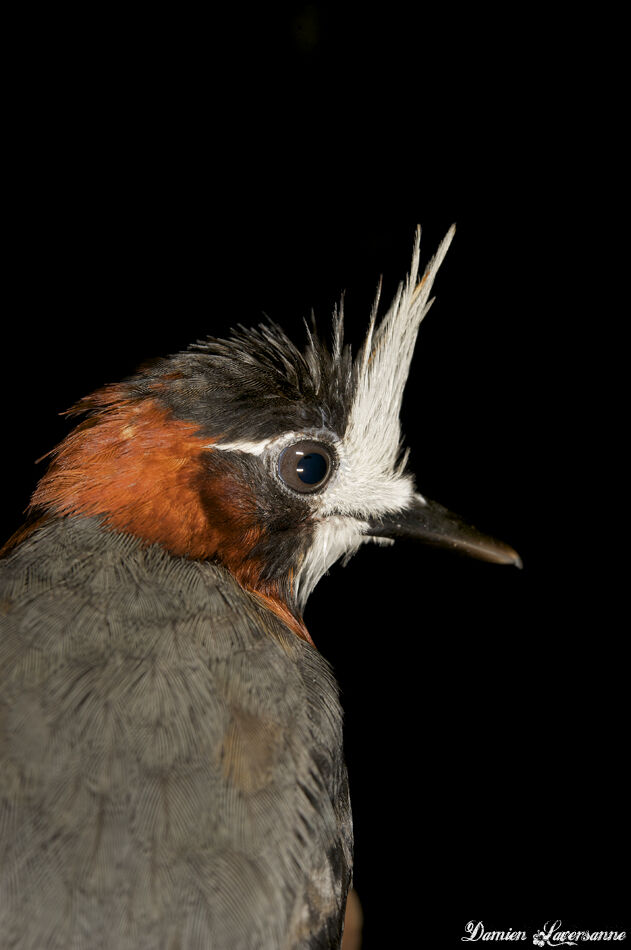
x=171 y=773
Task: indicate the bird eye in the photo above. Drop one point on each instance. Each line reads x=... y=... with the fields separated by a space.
x=305 y=466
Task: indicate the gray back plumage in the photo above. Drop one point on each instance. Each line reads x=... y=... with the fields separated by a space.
x=170 y=756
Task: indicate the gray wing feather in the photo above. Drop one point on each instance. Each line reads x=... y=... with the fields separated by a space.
x=171 y=773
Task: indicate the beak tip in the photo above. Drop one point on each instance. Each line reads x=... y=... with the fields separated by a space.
x=498 y=553
x=516 y=561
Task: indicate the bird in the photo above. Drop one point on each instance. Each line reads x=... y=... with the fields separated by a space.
x=172 y=772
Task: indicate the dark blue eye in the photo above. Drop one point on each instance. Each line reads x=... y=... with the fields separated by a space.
x=306 y=466
x=312 y=468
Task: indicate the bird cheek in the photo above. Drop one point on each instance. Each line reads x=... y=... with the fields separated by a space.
x=233 y=530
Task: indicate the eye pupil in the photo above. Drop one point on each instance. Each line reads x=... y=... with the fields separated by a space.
x=306 y=466
x=312 y=468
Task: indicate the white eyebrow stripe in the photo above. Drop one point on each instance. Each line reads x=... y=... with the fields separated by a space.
x=252 y=448
x=257 y=448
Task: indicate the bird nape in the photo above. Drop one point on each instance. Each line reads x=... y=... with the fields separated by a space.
x=172 y=771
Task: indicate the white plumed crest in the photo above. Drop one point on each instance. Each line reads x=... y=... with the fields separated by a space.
x=372 y=441
x=385 y=361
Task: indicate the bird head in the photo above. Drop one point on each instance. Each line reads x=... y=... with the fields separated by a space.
x=272 y=461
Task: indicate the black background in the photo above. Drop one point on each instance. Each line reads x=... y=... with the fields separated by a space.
x=171 y=177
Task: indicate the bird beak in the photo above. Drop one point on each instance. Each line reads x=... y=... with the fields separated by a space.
x=429 y=522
